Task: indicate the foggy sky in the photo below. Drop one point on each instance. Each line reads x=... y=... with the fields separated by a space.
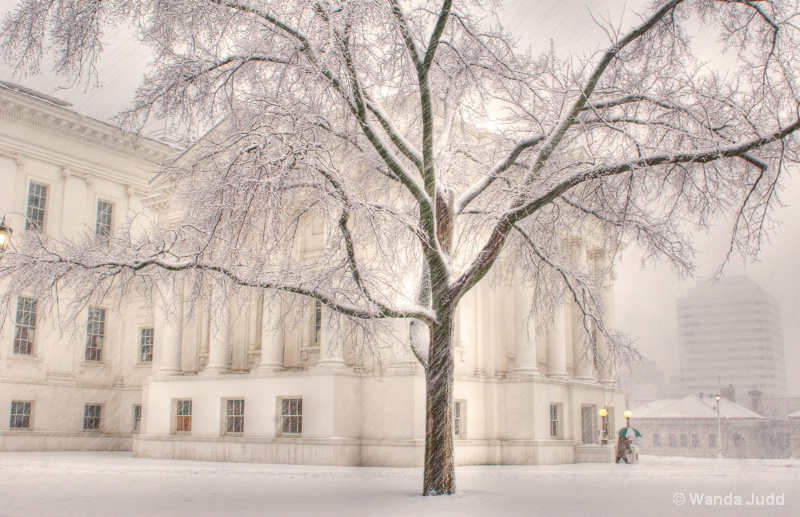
x=645 y=298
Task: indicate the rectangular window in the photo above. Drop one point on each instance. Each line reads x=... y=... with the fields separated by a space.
x=554 y=421
x=20 y=415
x=183 y=416
x=695 y=440
x=37 y=198
x=234 y=416
x=137 y=419
x=91 y=417
x=95 y=330
x=317 y=324
x=712 y=440
x=146 y=345
x=672 y=441
x=104 y=214
x=656 y=440
x=458 y=418
x=25 y=329
x=291 y=416
x=684 y=440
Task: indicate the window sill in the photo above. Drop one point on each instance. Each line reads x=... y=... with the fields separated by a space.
x=25 y=357
x=94 y=363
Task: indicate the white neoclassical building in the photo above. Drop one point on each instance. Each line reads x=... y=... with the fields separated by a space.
x=239 y=384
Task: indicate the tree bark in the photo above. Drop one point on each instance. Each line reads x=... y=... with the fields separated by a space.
x=440 y=475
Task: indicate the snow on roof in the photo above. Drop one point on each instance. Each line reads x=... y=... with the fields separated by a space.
x=693 y=406
x=33 y=93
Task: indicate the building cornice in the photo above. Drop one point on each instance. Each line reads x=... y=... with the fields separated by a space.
x=58 y=120
x=19 y=151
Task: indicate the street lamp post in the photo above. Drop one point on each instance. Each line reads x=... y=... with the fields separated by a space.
x=603 y=418
x=5 y=235
x=719 y=427
x=628 y=416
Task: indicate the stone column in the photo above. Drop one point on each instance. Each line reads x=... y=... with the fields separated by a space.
x=271 y=336
x=607 y=373
x=483 y=338
x=169 y=331
x=582 y=361
x=330 y=355
x=219 y=340
x=525 y=333
x=557 y=347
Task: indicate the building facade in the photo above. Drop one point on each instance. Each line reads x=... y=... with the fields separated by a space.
x=64 y=174
x=260 y=379
x=730 y=334
x=690 y=427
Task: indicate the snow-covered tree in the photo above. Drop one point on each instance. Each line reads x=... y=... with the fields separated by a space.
x=433 y=149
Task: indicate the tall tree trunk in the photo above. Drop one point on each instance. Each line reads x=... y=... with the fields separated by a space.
x=440 y=474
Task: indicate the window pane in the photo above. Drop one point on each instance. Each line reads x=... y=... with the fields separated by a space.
x=291 y=416
x=104 y=211
x=91 y=417
x=146 y=345
x=20 y=417
x=234 y=420
x=184 y=418
x=37 y=197
x=25 y=328
x=317 y=329
x=137 y=418
x=95 y=330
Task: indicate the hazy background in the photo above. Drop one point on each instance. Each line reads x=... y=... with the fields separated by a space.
x=645 y=296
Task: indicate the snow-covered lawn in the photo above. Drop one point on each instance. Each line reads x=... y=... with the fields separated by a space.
x=106 y=484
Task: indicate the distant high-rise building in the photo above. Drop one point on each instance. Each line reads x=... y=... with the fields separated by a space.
x=730 y=334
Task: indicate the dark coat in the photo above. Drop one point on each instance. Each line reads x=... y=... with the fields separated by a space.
x=623 y=447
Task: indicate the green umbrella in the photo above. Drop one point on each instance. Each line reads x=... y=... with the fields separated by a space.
x=629 y=432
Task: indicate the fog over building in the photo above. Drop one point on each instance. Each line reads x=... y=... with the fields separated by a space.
x=730 y=334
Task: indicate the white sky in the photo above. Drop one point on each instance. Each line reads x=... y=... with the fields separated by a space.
x=645 y=298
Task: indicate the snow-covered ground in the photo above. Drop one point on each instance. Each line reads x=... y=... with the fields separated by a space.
x=106 y=484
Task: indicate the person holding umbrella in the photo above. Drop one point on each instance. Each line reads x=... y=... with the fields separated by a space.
x=624 y=438
x=623 y=449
